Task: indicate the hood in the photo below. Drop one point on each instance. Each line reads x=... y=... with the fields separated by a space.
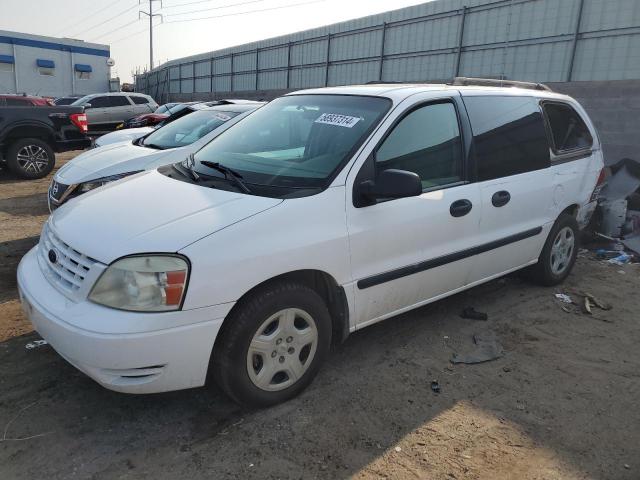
x=112 y=160
x=149 y=212
x=126 y=135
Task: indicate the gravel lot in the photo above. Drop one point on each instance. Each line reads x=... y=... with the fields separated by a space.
x=561 y=404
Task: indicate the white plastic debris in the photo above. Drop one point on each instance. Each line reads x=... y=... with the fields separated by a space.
x=563 y=297
x=35 y=344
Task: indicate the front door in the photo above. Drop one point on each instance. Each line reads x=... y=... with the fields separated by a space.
x=406 y=252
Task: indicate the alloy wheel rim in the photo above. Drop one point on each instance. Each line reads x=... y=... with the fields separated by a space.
x=282 y=349
x=32 y=158
x=562 y=250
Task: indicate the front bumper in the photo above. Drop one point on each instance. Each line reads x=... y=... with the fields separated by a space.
x=118 y=349
x=75 y=144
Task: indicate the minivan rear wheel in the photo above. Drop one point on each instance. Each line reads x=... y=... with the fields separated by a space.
x=559 y=253
x=272 y=345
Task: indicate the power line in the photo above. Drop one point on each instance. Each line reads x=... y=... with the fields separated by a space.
x=186 y=4
x=115 y=29
x=243 y=13
x=129 y=36
x=105 y=21
x=216 y=8
x=93 y=14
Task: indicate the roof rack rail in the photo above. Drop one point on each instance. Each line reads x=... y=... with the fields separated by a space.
x=495 y=82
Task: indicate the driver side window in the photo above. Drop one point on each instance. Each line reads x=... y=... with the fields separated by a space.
x=427 y=142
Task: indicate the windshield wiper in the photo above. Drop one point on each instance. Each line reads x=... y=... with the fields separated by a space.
x=228 y=173
x=189 y=163
x=153 y=145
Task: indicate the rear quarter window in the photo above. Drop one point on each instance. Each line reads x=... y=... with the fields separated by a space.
x=568 y=131
x=140 y=100
x=509 y=135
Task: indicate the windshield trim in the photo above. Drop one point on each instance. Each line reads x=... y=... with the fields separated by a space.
x=350 y=154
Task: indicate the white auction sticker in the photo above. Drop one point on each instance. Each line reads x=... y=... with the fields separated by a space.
x=223 y=117
x=337 y=119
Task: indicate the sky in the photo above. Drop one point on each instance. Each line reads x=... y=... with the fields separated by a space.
x=187 y=27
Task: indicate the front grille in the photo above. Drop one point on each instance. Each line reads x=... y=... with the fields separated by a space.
x=64 y=267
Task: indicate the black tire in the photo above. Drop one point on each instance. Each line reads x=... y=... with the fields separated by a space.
x=30 y=158
x=542 y=272
x=229 y=362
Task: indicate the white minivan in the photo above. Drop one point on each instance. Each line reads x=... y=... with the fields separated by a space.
x=323 y=212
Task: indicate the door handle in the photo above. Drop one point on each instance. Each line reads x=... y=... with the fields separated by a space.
x=501 y=198
x=460 y=208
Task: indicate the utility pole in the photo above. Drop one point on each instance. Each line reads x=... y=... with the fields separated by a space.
x=150 y=14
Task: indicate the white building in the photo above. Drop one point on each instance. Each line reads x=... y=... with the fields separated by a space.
x=51 y=66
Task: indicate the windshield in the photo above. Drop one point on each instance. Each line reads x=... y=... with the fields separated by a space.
x=187 y=129
x=296 y=141
x=64 y=101
x=81 y=100
x=166 y=108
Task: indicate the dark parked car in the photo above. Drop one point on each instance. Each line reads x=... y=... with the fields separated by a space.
x=30 y=136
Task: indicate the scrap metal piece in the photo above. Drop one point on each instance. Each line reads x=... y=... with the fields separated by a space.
x=487 y=348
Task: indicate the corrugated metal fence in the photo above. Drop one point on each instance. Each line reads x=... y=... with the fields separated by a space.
x=536 y=40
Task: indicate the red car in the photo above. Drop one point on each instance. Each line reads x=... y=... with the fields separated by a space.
x=24 y=101
x=150 y=119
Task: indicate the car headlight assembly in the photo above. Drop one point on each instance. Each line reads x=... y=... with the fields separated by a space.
x=98 y=182
x=143 y=283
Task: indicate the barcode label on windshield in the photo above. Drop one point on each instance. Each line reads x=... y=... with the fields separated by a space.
x=223 y=117
x=337 y=119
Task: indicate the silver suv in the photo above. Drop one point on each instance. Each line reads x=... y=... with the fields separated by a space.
x=107 y=110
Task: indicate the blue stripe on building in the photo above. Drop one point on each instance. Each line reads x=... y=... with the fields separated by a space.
x=54 y=46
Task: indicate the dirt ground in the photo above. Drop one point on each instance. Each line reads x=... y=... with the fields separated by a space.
x=561 y=404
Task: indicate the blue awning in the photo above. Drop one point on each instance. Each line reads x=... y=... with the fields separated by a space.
x=45 y=63
x=7 y=59
x=80 y=67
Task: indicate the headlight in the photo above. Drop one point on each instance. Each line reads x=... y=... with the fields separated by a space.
x=98 y=182
x=145 y=283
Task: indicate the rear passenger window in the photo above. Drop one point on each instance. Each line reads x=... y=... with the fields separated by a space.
x=568 y=130
x=118 y=101
x=140 y=100
x=427 y=142
x=509 y=135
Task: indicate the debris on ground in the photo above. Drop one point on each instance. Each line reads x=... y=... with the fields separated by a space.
x=472 y=314
x=435 y=386
x=617 y=216
x=563 y=297
x=487 y=348
x=35 y=344
x=620 y=259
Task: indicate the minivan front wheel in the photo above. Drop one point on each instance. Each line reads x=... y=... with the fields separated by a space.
x=273 y=345
x=559 y=253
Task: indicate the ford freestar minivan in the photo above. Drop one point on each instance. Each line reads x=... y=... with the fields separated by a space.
x=323 y=212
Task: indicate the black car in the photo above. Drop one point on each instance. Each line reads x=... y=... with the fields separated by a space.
x=30 y=136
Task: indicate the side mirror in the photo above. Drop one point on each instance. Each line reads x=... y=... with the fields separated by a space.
x=392 y=183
